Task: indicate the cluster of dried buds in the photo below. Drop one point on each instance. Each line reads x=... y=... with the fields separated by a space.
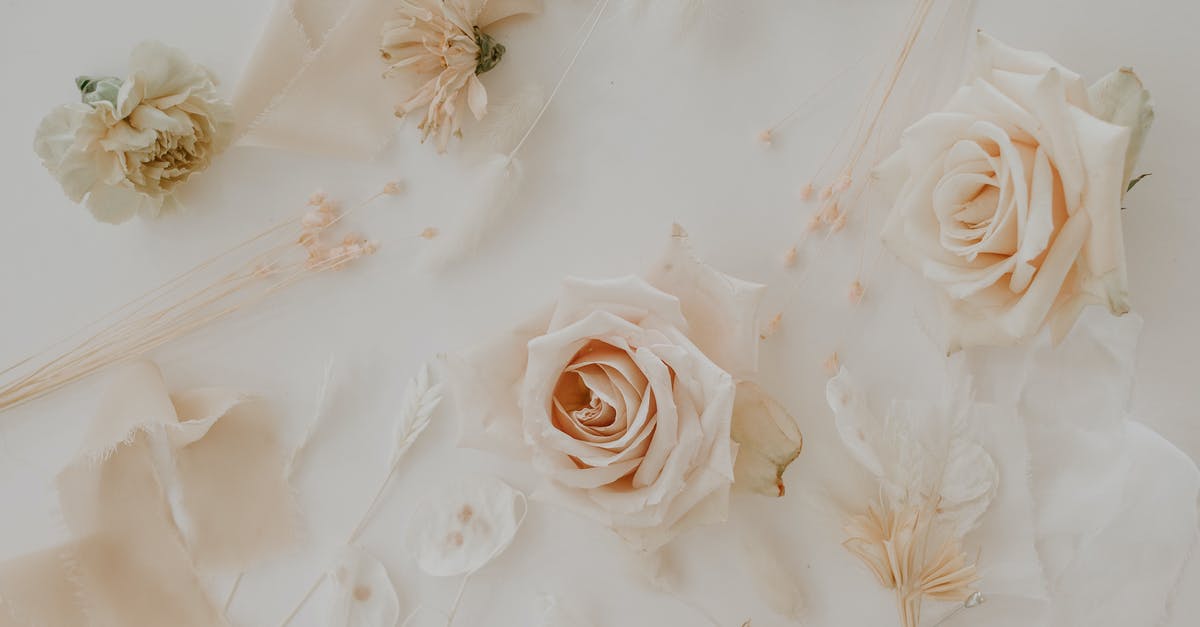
x=321 y=255
x=830 y=214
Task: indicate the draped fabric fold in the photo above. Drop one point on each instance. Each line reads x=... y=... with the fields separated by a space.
x=1115 y=503
x=315 y=81
x=165 y=489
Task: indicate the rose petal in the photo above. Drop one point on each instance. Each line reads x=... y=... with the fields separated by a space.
x=1045 y=204
x=486 y=382
x=629 y=297
x=1102 y=147
x=548 y=355
x=1119 y=98
x=721 y=311
x=1025 y=315
x=990 y=55
x=669 y=423
x=768 y=441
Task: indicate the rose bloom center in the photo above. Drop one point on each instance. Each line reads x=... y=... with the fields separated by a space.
x=604 y=399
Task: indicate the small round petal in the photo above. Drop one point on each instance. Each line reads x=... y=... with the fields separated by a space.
x=461 y=526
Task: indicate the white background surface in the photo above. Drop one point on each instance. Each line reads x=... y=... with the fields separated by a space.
x=648 y=130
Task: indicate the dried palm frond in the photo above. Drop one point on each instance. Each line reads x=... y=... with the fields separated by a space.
x=909 y=552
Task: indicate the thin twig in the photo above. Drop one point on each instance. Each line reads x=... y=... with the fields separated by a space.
x=237 y=582
x=603 y=4
x=462 y=588
x=307 y=595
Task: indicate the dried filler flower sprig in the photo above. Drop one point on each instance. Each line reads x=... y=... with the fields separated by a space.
x=931 y=41
x=235 y=279
x=917 y=48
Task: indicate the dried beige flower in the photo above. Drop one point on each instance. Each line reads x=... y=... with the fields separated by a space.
x=130 y=143
x=441 y=43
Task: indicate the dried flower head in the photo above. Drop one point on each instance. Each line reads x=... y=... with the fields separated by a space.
x=441 y=44
x=128 y=144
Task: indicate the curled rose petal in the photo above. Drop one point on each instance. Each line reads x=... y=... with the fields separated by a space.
x=768 y=441
x=721 y=310
x=1120 y=98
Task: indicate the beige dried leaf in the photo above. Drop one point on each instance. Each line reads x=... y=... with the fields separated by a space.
x=909 y=553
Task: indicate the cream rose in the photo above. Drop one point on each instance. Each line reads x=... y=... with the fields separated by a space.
x=131 y=143
x=1010 y=198
x=624 y=397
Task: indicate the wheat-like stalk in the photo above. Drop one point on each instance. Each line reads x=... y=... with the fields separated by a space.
x=237 y=278
x=911 y=554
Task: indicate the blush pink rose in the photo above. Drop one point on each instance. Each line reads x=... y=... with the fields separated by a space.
x=623 y=395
